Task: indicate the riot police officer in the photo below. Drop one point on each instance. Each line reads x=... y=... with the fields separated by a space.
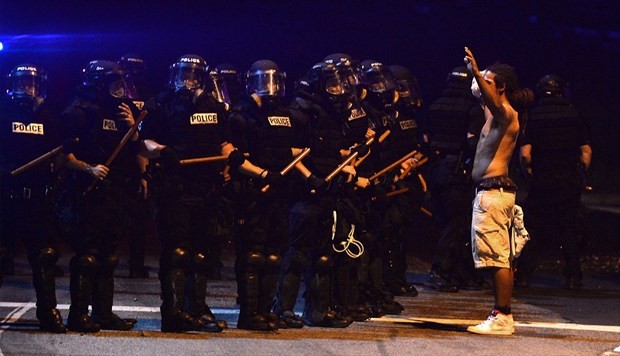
x=453 y=122
x=380 y=213
x=184 y=122
x=138 y=90
x=262 y=126
x=350 y=219
x=229 y=83
x=28 y=130
x=555 y=153
x=321 y=100
x=398 y=222
x=100 y=116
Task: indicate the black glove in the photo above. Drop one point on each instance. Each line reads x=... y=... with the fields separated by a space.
x=169 y=160
x=272 y=178
x=315 y=183
x=362 y=150
x=235 y=159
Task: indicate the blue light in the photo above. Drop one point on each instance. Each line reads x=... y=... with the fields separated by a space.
x=1 y=46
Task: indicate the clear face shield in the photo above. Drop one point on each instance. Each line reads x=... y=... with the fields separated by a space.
x=267 y=83
x=382 y=87
x=219 y=90
x=27 y=86
x=380 y=82
x=118 y=88
x=409 y=93
x=186 y=78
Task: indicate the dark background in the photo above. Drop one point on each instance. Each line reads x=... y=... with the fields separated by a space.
x=578 y=39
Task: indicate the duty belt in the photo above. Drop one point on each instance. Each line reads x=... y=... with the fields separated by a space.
x=502 y=182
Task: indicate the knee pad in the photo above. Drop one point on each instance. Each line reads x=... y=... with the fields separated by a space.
x=323 y=264
x=85 y=263
x=255 y=260
x=199 y=262
x=48 y=257
x=180 y=258
x=109 y=262
x=273 y=262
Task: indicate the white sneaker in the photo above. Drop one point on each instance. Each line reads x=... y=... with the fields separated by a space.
x=496 y=324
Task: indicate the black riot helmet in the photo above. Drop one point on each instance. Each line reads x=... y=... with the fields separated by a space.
x=552 y=85
x=225 y=83
x=459 y=78
x=380 y=83
x=327 y=81
x=135 y=73
x=349 y=69
x=189 y=73
x=107 y=77
x=27 y=84
x=408 y=87
x=234 y=83
x=266 y=80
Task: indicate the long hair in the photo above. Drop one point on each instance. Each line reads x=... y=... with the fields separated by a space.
x=506 y=75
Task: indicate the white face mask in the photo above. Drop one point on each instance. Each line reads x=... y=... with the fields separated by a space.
x=475 y=89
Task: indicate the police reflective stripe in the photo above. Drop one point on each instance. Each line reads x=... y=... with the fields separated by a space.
x=279 y=121
x=109 y=125
x=32 y=128
x=408 y=124
x=203 y=119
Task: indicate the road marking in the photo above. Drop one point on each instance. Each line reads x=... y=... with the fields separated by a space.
x=114 y=308
x=22 y=308
x=532 y=324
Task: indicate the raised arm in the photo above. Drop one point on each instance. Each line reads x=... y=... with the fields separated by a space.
x=490 y=93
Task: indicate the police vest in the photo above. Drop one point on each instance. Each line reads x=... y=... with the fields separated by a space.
x=448 y=119
x=194 y=130
x=271 y=137
x=24 y=136
x=555 y=131
x=403 y=137
x=100 y=132
x=355 y=125
x=326 y=137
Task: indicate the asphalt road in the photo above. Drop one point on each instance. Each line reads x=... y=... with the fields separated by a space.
x=549 y=319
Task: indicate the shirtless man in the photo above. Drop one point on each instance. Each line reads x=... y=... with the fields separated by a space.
x=495 y=192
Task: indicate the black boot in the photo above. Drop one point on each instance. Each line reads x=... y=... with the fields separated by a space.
x=103 y=297
x=196 y=305
x=318 y=311
x=287 y=289
x=268 y=281
x=249 y=317
x=43 y=279
x=173 y=318
x=80 y=287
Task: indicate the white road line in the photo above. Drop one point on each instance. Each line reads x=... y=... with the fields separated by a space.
x=533 y=324
x=22 y=308
x=114 y=308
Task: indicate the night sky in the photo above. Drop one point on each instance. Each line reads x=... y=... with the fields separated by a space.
x=579 y=40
